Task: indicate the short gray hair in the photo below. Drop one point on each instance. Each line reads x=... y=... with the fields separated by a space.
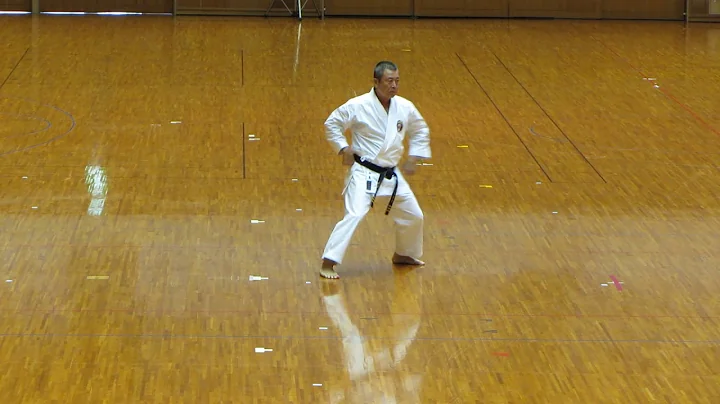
x=382 y=66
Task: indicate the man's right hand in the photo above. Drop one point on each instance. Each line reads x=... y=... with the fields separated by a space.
x=348 y=156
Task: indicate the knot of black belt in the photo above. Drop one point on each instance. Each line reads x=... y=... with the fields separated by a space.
x=385 y=173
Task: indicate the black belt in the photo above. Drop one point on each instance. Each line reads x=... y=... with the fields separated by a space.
x=384 y=172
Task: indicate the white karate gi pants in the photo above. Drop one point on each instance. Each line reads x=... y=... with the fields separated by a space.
x=405 y=212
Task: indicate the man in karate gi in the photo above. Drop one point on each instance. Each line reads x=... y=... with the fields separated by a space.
x=379 y=122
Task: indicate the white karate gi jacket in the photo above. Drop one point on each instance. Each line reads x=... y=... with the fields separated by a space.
x=378 y=135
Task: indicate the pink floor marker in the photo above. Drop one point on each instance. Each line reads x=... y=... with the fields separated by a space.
x=615 y=280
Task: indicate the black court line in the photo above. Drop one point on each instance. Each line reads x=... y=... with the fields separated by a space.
x=504 y=117
x=243 y=147
x=549 y=117
x=13 y=69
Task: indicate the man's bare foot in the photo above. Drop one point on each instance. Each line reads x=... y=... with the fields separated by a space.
x=405 y=260
x=328 y=269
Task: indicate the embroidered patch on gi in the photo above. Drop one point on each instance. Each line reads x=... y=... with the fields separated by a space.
x=399 y=126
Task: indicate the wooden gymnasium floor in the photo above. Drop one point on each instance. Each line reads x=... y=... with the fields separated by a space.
x=571 y=212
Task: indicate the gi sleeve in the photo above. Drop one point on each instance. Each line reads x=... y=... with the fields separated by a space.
x=418 y=134
x=336 y=124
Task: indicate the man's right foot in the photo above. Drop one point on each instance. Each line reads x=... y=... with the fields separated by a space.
x=405 y=260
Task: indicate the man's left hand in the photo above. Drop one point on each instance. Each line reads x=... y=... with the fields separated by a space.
x=410 y=165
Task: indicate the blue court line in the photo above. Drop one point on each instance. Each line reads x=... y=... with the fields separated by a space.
x=340 y=337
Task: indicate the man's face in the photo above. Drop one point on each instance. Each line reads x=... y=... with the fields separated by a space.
x=388 y=85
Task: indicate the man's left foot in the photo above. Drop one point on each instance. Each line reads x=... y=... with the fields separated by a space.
x=327 y=270
x=405 y=260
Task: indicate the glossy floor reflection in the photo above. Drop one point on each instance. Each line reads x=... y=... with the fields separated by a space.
x=149 y=167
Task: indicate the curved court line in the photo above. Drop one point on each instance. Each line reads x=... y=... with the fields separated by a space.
x=69 y=115
x=365 y=338
x=665 y=152
x=662 y=90
x=669 y=152
x=577 y=145
x=37 y=118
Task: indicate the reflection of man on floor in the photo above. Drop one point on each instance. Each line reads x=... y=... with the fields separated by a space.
x=372 y=364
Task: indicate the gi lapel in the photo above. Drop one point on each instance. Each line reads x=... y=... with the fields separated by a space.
x=378 y=110
x=390 y=125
